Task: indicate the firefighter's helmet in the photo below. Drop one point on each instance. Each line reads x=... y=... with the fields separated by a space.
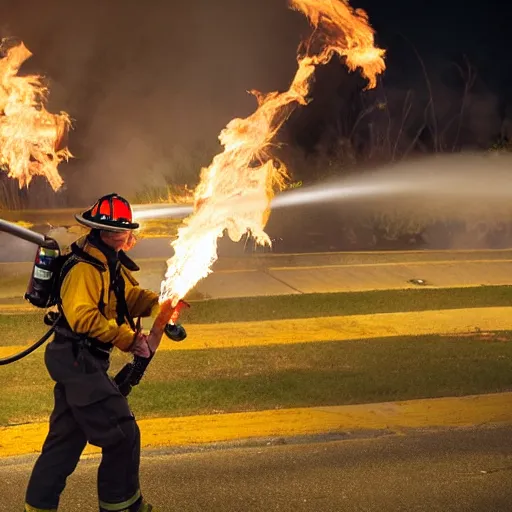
x=110 y=213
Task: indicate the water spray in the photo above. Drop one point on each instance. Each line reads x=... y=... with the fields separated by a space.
x=316 y=194
x=465 y=178
x=165 y=210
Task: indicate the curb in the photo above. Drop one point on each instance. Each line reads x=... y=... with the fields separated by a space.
x=450 y=412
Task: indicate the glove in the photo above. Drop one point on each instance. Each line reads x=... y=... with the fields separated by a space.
x=140 y=346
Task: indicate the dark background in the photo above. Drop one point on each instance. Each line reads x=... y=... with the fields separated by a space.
x=150 y=84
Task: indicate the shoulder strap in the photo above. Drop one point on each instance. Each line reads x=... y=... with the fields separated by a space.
x=79 y=256
x=118 y=286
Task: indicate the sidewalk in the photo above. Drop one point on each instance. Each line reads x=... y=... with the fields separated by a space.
x=392 y=417
x=314 y=273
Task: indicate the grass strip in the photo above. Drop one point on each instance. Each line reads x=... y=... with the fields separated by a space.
x=19 y=329
x=345 y=303
x=284 y=376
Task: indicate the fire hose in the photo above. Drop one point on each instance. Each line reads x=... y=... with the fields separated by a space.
x=34 y=346
x=131 y=373
x=27 y=234
x=42 y=241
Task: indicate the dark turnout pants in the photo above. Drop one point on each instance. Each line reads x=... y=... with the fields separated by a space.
x=88 y=408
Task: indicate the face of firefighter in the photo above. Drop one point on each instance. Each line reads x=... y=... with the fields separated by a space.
x=119 y=241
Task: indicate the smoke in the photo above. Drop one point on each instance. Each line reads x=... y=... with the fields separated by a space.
x=457 y=201
x=146 y=82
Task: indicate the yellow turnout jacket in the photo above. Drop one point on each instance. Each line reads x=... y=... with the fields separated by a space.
x=86 y=286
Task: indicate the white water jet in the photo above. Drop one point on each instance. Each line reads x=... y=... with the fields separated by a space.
x=468 y=182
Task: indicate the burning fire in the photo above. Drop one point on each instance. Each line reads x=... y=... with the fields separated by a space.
x=235 y=191
x=30 y=136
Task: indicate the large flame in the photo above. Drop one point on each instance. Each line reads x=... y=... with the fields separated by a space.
x=29 y=135
x=235 y=191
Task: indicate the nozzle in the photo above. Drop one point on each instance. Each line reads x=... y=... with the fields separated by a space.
x=175 y=332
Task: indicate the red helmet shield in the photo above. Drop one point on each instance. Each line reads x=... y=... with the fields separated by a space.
x=122 y=210
x=110 y=212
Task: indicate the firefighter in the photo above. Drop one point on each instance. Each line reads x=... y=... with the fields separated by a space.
x=99 y=297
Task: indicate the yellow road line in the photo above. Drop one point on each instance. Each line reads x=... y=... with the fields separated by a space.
x=238 y=271
x=259 y=266
x=13 y=309
x=416 y=251
x=195 y=430
x=389 y=264
x=336 y=328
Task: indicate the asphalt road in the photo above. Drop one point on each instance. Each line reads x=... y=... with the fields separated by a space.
x=449 y=470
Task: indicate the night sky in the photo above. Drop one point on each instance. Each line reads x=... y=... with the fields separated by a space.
x=146 y=86
x=443 y=31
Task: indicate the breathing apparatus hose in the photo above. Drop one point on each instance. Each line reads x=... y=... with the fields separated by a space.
x=29 y=350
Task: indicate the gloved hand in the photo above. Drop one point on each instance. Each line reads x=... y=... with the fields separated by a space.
x=140 y=346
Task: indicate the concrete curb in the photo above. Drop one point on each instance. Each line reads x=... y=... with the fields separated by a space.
x=198 y=430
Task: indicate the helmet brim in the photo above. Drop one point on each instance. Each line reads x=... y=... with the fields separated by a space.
x=105 y=227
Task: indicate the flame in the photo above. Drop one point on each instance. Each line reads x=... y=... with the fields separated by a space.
x=235 y=191
x=29 y=135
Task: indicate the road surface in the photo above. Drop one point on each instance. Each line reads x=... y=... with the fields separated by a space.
x=284 y=274
x=467 y=470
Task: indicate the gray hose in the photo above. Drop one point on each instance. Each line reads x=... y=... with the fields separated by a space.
x=27 y=234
